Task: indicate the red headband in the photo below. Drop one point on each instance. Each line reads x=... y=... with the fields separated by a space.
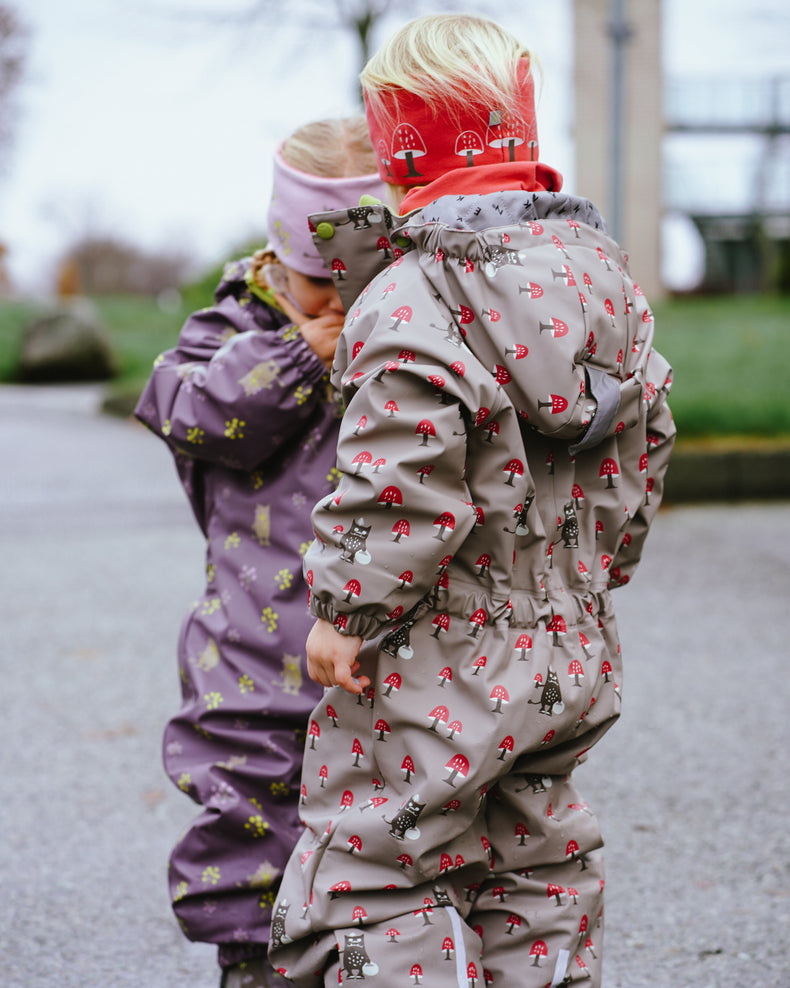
x=423 y=144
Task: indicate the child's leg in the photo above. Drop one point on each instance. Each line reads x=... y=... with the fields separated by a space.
x=540 y=913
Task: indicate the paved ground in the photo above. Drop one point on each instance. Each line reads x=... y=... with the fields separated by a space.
x=101 y=558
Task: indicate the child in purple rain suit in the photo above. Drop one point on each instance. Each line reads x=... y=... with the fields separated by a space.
x=503 y=451
x=244 y=403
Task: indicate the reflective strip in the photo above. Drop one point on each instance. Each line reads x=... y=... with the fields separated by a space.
x=460 y=947
x=560 y=968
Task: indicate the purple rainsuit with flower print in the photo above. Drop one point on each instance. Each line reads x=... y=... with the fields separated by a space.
x=247 y=409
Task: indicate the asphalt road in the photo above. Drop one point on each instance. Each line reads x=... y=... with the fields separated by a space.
x=100 y=560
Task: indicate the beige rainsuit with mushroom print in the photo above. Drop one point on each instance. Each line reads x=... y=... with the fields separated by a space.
x=503 y=451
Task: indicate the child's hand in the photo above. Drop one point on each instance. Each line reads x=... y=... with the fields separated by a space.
x=320 y=332
x=332 y=658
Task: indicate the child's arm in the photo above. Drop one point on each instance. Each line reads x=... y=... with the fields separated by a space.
x=241 y=383
x=332 y=658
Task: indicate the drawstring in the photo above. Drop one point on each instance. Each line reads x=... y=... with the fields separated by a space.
x=460 y=947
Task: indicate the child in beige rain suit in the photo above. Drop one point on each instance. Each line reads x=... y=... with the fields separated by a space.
x=503 y=451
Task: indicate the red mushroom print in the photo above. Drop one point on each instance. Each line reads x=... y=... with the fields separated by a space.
x=416 y=974
x=405 y=861
x=440 y=623
x=338 y=268
x=402 y=314
x=401 y=529
x=426 y=429
x=323 y=774
x=482 y=415
x=439 y=715
x=518 y=350
x=361 y=460
x=471 y=974
x=557 y=404
x=573 y=894
x=331 y=714
x=590 y=946
x=467 y=145
x=408 y=145
x=649 y=484
x=458 y=765
x=556 y=327
x=502 y=375
x=338 y=888
x=448 y=948
x=445 y=862
x=445 y=676
x=610 y=471
x=391 y=408
x=522 y=833
x=548 y=737
x=477 y=621
x=358 y=915
x=458 y=367
x=513 y=468
x=451 y=806
x=538 y=950
x=361 y=425
x=535 y=291
x=484 y=562
x=425 y=471
x=552 y=889
x=576 y=672
x=511 y=923
x=346 y=800
x=453 y=728
x=352 y=589
x=407 y=767
x=606 y=670
x=383 y=245
x=314 y=733
x=578 y=496
x=356 y=751
x=354 y=843
x=509 y=131
x=383 y=728
x=557 y=628
x=500 y=695
x=506 y=747
x=492 y=430
x=389 y=496
x=392 y=683
x=443 y=523
x=522 y=646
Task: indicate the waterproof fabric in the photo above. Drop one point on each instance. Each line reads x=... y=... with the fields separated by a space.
x=247 y=410
x=503 y=453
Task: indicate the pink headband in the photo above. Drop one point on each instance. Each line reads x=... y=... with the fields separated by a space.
x=416 y=143
x=296 y=194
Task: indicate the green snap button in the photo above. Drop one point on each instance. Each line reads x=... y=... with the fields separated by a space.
x=402 y=241
x=325 y=231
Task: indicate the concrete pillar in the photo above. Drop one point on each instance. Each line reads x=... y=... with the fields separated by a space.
x=640 y=168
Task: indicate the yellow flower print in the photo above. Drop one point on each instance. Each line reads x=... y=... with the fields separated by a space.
x=211 y=572
x=301 y=394
x=180 y=891
x=210 y=875
x=303 y=549
x=266 y=901
x=257 y=480
x=256 y=825
x=184 y=781
x=195 y=435
x=284 y=579
x=233 y=541
x=333 y=477
x=278 y=789
x=213 y=700
x=269 y=618
x=264 y=875
x=211 y=605
x=167 y=427
x=246 y=685
x=233 y=428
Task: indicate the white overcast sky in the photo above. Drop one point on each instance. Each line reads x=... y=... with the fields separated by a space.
x=138 y=121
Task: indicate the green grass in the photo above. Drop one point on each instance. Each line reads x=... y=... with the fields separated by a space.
x=727 y=354
x=726 y=351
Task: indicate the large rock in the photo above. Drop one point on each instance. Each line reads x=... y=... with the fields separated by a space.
x=69 y=343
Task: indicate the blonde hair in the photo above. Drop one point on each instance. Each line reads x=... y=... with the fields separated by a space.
x=338 y=148
x=444 y=59
x=335 y=148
